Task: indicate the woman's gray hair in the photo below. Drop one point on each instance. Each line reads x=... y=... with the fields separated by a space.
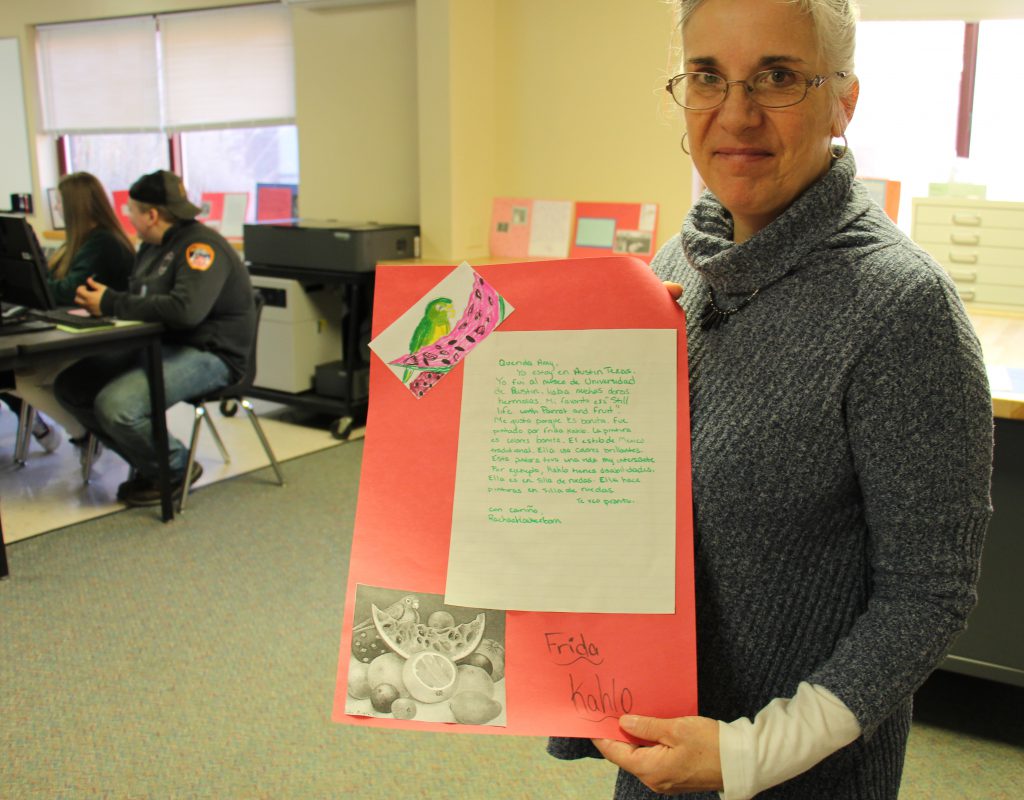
x=835 y=23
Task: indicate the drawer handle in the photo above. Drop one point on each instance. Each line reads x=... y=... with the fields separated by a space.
x=966 y=277
x=966 y=295
x=967 y=219
x=965 y=238
x=958 y=259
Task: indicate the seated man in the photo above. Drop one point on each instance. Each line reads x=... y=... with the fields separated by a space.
x=190 y=278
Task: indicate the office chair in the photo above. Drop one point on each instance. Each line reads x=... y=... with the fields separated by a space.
x=229 y=398
x=26 y=419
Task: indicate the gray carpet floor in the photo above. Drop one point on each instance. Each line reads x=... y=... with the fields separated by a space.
x=198 y=658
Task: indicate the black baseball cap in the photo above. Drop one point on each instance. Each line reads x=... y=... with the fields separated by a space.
x=163 y=188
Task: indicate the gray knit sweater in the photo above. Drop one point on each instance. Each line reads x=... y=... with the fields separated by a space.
x=842 y=443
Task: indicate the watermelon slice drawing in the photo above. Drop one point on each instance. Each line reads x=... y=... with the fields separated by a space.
x=408 y=638
x=484 y=310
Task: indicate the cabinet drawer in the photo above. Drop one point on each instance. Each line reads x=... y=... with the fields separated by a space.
x=991 y=295
x=969 y=216
x=996 y=276
x=970 y=237
x=975 y=258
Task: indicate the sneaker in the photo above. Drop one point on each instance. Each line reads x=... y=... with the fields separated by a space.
x=144 y=492
x=135 y=484
x=47 y=435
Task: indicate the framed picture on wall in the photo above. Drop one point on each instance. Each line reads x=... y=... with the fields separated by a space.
x=56 y=209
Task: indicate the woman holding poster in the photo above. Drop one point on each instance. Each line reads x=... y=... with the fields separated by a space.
x=841 y=431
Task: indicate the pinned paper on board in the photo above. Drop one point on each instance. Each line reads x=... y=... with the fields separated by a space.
x=530 y=228
x=224 y=212
x=437 y=332
x=615 y=228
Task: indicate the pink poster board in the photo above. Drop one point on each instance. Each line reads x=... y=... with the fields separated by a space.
x=567 y=674
x=614 y=228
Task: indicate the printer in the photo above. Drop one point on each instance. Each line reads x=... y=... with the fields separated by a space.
x=328 y=244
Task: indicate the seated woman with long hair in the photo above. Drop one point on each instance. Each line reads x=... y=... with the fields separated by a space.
x=95 y=246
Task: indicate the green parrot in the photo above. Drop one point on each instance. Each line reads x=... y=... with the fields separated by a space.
x=435 y=323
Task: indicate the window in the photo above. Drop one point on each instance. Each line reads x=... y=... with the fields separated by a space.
x=208 y=94
x=117 y=159
x=998 y=115
x=236 y=159
x=905 y=126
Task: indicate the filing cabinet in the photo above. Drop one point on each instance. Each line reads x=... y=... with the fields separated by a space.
x=980 y=243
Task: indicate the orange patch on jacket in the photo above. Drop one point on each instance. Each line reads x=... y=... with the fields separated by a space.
x=199 y=256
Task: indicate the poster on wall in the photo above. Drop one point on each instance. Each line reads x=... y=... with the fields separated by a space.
x=490 y=589
x=615 y=228
x=530 y=228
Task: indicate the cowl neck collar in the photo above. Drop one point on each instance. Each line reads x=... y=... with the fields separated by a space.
x=776 y=249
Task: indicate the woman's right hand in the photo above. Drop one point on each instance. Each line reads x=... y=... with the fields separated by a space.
x=674 y=289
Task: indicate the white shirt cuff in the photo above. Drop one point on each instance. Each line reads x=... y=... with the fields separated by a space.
x=786 y=738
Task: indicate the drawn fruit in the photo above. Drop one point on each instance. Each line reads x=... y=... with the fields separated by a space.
x=403 y=708
x=383 y=697
x=474 y=708
x=430 y=677
x=408 y=638
x=495 y=652
x=423 y=381
x=367 y=644
x=440 y=619
x=387 y=668
x=474 y=679
x=478 y=659
x=358 y=684
x=484 y=310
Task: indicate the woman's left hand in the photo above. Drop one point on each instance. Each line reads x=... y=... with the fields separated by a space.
x=683 y=758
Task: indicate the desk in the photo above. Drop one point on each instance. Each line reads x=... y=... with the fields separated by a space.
x=25 y=349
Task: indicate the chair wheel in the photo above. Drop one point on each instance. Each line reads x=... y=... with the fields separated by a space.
x=228 y=408
x=341 y=428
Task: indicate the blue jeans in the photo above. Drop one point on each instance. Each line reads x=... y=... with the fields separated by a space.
x=109 y=395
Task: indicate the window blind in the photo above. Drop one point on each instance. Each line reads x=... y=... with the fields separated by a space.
x=229 y=67
x=974 y=11
x=98 y=77
x=220 y=68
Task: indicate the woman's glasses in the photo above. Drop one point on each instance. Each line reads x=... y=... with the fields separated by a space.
x=770 y=88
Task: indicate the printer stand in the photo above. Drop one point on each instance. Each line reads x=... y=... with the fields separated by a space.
x=349 y=411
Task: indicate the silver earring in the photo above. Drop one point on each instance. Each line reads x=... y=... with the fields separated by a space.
x=836 y=152
x=682 y=143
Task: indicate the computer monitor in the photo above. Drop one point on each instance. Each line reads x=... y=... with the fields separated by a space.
x=23 y=269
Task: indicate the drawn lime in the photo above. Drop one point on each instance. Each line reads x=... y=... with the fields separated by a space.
x=383 y=697
x=404 y=708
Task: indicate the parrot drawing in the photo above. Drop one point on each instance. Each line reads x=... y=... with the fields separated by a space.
x=435 y=323
x=404 y=610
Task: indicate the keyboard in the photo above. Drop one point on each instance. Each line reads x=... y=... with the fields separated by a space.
x=21 y=325
x=64 y=316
